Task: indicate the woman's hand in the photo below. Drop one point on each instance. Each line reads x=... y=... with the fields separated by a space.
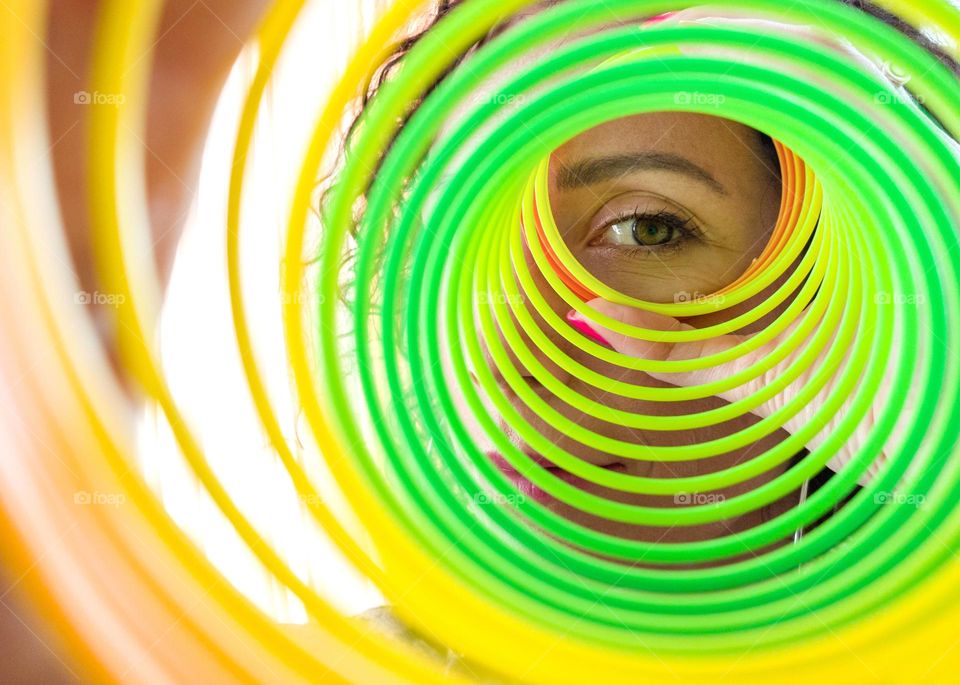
x=704 y=348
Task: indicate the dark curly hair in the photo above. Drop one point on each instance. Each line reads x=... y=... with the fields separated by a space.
x=386 y=70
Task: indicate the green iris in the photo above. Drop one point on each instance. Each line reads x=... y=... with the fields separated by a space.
x=651 y=233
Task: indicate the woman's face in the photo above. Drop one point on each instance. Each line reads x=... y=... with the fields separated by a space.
x=662 y=207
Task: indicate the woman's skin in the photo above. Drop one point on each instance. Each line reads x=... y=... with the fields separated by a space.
x=711 y=191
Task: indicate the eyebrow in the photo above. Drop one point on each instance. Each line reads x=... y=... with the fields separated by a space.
x=589 y=171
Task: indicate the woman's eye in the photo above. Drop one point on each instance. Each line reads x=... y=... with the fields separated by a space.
x=644 y=231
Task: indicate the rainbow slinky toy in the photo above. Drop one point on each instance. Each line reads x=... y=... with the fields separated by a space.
x=865 y=252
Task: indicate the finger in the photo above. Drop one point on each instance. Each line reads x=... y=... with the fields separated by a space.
x=659 y=351
x=665 y=351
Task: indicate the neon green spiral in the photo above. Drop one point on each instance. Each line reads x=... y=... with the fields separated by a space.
x=440 y=274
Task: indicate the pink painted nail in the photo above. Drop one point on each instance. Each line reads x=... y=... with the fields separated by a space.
x=586 y=329
x=658 y=18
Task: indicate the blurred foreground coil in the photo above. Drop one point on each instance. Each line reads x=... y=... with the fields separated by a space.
x=870 y=212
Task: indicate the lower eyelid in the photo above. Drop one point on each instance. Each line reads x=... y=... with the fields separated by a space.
x=641 y=251
x=668 y=248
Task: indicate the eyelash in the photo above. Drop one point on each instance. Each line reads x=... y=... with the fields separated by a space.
x=676 y=223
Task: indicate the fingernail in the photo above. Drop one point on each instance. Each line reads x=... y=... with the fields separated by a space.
x=586 y=329
x=658 y=18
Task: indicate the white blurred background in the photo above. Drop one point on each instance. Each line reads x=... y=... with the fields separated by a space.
x=197 y=342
